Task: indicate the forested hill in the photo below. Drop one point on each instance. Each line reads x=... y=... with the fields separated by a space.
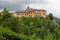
x=12 y=28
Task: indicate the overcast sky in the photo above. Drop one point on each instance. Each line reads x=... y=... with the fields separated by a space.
x=52 y=6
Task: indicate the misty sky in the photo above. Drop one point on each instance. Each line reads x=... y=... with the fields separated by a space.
x=52 y=6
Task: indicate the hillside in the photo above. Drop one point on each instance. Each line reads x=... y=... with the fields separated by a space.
x=28 y=28
x=57 y=19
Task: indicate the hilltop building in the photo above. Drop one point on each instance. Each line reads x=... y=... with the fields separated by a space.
x=29 y=12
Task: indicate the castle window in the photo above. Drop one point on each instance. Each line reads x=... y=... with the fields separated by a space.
x=30 y=15
x=43 y=13
x=17 y=13
x=31 y=12
x=26 y=14
x=39 y=13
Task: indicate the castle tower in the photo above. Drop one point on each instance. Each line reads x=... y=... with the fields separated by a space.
x=27 y=8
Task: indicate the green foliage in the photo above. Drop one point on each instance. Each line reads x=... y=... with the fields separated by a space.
x=51 y=16
x=6 y=34
x=28 y=28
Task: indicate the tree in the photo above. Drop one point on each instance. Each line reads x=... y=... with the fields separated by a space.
x=5 y=10
x=50 y=16
x=6 y=13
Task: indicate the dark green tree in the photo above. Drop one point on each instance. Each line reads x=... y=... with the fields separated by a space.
x=50 y=16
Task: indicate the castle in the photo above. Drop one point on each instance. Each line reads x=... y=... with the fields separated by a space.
x=29 y=12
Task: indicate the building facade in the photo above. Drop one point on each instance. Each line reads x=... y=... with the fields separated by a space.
x=29 y=12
